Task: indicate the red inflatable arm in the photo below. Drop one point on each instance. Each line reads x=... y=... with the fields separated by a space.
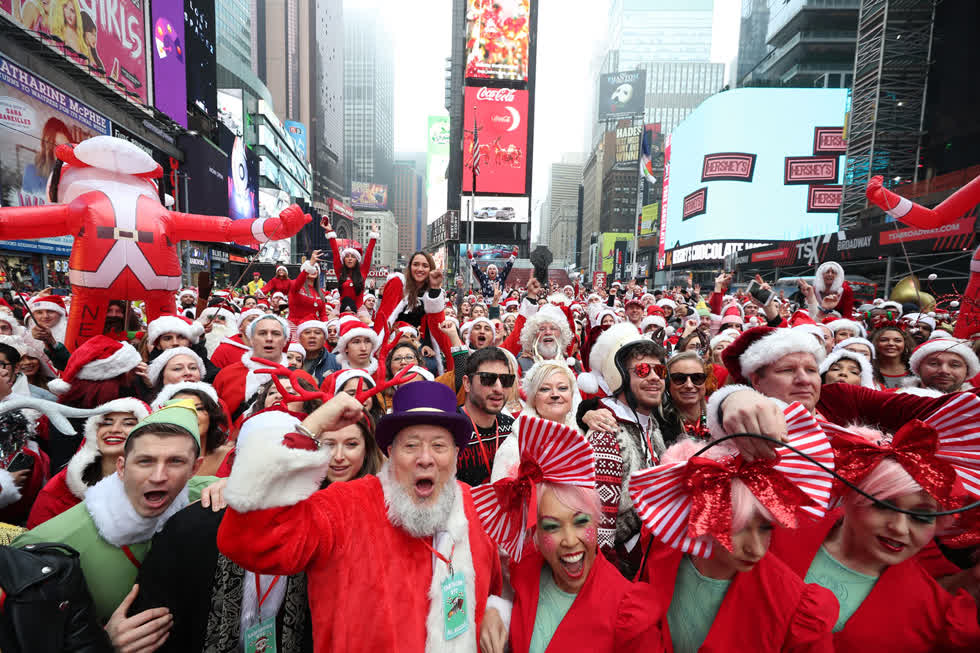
x=45 y=221
x=952 y=208
x=206 y=228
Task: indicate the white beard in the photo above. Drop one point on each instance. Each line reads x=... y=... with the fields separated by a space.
x=547 y=351
x=417 y=520
x=218 y=331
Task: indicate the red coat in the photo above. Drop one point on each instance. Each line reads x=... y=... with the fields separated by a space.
x=906 y=611
x=303 y=307
x=844 y=404
x=229 y=351
x=276 y=284
x=368 y=580
x=766 y=609
x=609 y=613
x=53 y=499
x=230 y=385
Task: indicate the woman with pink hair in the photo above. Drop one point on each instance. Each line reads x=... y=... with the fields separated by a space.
x=865 y=552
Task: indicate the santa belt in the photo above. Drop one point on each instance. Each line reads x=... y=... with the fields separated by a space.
x=115 y=233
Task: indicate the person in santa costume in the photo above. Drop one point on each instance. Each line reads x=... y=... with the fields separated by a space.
x=104 y=437
x=566 y=597
x=187 y=303
x=318 y=361
x=944 y=363
x=227 y=341
x=112 y=527
x=352 y=268
x=709 y=518
x=306 y=300
x=832 y=292
x=169 y=331
x=237 y=383
x=865 y=552
x=50 y=312
x=397 y=562
x=356 y=345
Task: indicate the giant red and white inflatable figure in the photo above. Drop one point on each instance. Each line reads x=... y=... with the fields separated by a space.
x=949 y=210
x=125 y=238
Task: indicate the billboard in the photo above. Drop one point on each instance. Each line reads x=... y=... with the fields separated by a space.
x=485 y=254
x=35 y=117
x=436 y=164
x=497 y=37
x=650 y=220
x=231 y=109
x=742 y=168
x=297 y=134
x=206 y=170
x=496 y=209
x=614 y=249
x=243 y=176
x=622 y=94
x=202 y=84
x=365 y=195
x=169 y=59
x=628 y=146
x=501 y=114
x=105 y=38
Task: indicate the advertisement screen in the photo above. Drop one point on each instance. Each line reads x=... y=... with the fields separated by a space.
x=649 y=220
x=106 y=38
x=486 y=254
x=206 y=168
x=169 y=59
x=497 y=39
x=614 y=249
x=437 y=161
x=742 y=168
x=628 y=146
x=501 y=114
x=297 y=133
x=231 y=110
x=243 y=176
x=622 y=94
x=496 y=209
x=365 y=195
x=202 y=76
x=35 y=117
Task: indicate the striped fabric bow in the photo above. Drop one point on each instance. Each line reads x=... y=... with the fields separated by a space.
x=688 y=505
x=550 y=452
x=942 y=452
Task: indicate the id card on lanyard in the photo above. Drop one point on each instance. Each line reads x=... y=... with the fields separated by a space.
x=454 y=601
x=261 y=637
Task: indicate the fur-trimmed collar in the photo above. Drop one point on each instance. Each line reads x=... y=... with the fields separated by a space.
x=115 y=518
x=84 y=457
x=370 y=369
x=236 y=343
x=254 y=380
x=457 y=534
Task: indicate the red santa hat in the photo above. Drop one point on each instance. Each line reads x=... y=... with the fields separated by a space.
x=156 y=366
x=404 y=329
x=350 y=328
x=187 y=292
x=945 y=343
x=800 y=317
x=48 y=302
x=297 y=348
x=464 y=331
x=653 y=309
x=547 y=313
x=174 y=324
x=15 y=326
x=336 y=380
x=168 y=392
x=761 y=346
x=653 y=321
x=511 y=304
x=732 y=314
x=283 y=268
x=99 y=358
x=842 y=323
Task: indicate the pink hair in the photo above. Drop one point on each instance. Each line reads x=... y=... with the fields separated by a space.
x=574 y=497
x=744 y=503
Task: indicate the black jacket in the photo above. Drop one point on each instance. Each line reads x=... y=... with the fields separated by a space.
x=46 y=605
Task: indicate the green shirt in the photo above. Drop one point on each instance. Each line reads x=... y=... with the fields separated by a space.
x=109 y=573
x=553 y=604
x=693 y=607
x=850 y=587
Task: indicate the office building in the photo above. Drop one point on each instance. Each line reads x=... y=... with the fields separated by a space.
x=234 y=50
x=658 y=30
x=559 y=230
x=386 y=249
x=408 y=202
x=753 y=25
x=676 y=88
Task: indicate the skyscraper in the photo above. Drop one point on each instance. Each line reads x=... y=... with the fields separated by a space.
x=407 y=199
x=369 y=81
x=558 y=229
x=675 y=89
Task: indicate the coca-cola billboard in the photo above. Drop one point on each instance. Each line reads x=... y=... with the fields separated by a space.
x=501 y=114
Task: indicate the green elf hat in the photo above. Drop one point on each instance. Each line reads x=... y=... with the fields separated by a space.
x=179 y=412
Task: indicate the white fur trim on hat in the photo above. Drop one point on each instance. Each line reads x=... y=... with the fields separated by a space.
x=653 y=320
x=774 y=346
x=945 y=344
x=915 y=318
x=282 y=267
x=352 y=373
x=205 y=316
x=464 y=331
x=297 y=348
x=867 y=373
x=123 y=360
x=89 y=451
x=350 y=250
x=818 y=283
x=168 y=392
x=42 y=303
x=281 y=320
x=842 y=323
x=311 y=324
x=339 y=350
x=173 y=324
x=424 y=373
x=724 y=336
x=712 y=410
x=547 y=313
x=667 y=302
x=890 y=304
x=156 y=366
x=855 y=341
x=15 y=326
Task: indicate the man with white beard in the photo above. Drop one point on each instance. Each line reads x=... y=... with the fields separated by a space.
x=228 y=341
x=545 y=336
x=397 y=562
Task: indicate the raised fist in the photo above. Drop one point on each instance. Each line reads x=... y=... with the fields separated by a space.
x=435 y=278
x=292 y=220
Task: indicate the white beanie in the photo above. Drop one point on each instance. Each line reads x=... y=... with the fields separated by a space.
x=156 y=366
x=174 y=324
x=269 y=316
x=168 y=392
x=856 y=341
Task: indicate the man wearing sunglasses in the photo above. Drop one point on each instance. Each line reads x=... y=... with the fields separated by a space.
x=487 y=383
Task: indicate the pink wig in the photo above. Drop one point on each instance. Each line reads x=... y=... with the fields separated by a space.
x=573 y=497
x=744 y=503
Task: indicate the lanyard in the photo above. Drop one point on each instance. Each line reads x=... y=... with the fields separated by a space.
x=479 y=440
x=448 y=561
x=129 y=554
x=258 y=591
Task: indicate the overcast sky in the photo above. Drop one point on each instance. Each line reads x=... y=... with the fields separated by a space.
x=569 y=32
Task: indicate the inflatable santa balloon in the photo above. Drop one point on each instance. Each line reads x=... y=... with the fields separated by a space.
x=104 y=194
x=949 y=210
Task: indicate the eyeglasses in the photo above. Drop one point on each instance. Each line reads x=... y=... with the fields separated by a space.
x=408 y=358
x=490 y=378
x=642 y=370
x=678 y=378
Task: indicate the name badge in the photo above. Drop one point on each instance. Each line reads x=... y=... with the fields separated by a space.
x=261 y=637
x=454 y=606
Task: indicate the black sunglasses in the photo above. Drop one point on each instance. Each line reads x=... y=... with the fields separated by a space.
x=490 y=378
x=678 y=378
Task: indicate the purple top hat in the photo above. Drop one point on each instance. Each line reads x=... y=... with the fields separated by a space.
x=424 y=402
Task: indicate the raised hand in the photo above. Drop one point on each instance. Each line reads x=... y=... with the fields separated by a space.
x=435 y=278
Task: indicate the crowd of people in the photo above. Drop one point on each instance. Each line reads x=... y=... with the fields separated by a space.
x=537 y=468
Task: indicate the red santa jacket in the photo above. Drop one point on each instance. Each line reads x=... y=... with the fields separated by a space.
x=368 y=580
x=609 y=612
x=844 y=404
x=906 y=611
x=229 y=351
x=302 y=306
x=53 y=499
x=276 y=284
x=764 y=610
